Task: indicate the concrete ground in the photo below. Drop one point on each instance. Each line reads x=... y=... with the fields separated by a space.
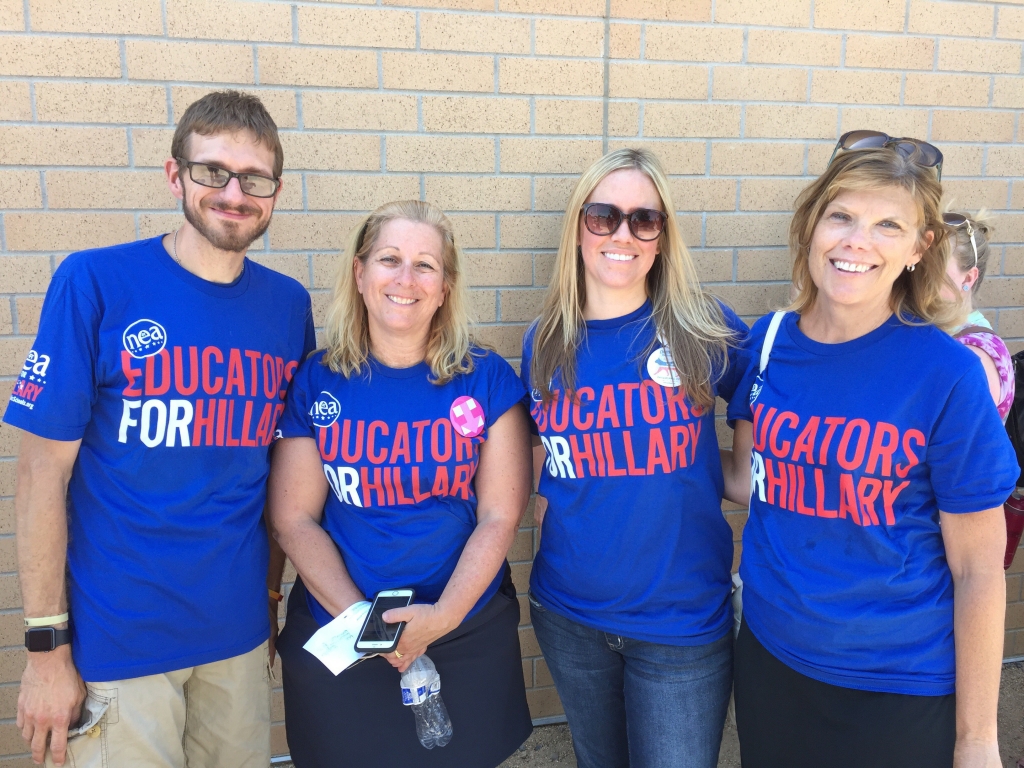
x=550 y=746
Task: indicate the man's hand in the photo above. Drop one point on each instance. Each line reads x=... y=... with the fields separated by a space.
x=424 y=624
x=50 y=701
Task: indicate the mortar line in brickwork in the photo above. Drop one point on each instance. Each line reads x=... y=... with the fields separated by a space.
x=606 y=76
x=32 y=101
x=122 y=51
x=3 y=238
x=163 y=15
x=295 y=23
x=26 y=12
x=255 y=66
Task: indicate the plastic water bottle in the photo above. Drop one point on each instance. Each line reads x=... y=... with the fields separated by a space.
x=421 y=690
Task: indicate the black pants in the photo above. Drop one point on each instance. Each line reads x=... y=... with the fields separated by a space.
x=356 y=720
x=788 y=720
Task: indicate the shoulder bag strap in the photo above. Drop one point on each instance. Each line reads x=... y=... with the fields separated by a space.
x=769 y=338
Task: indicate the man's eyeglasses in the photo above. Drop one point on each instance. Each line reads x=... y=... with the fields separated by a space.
x=927 y=155
x=213 y=176
x=604 y=219
x=957 y=220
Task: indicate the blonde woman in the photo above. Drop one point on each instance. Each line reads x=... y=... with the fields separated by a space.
x=968 y=262
x=403 y=461
x=872 y=557
x=630 y=587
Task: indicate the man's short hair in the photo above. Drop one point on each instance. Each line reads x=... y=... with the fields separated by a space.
x=228 y=112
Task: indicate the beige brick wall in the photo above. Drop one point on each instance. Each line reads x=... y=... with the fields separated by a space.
x=489 y=108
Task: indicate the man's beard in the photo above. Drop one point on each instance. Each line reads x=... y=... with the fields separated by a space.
x=231 y=237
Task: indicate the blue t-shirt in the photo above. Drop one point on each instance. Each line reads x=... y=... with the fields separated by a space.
x=173 y=384
x=634 y=541
x=400 y=455
x=857 y=446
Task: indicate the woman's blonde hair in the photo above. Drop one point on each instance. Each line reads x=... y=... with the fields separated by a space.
x=688 y=322
x=346 y=330
x=960 y=243
x=916 y=294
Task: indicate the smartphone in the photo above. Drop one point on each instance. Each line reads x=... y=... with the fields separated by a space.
x=376 y=636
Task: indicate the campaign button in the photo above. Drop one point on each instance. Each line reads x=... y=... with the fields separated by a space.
x=662 y=368
x=467 y=416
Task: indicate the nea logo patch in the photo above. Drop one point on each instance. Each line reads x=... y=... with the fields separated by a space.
x=144 y=338
x=325 y=411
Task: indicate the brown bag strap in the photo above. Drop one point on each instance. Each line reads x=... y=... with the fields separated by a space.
x=972 y=329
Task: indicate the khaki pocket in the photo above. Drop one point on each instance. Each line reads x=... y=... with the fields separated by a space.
x=87 y=741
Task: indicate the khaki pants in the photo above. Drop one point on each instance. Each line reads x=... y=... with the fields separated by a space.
x=212 y=716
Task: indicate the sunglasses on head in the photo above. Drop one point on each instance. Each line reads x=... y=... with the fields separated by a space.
x=957 y=220
x=923 y=153
x=604 y=219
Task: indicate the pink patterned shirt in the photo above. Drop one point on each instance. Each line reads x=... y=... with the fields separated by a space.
x=994 y=347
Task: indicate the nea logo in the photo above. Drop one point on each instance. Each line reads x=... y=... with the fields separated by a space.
x=325 y=411
x=144 y=338
x=35 y=364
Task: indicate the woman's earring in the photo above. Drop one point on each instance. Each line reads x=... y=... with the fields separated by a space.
x=967 y=287
x=911 y=267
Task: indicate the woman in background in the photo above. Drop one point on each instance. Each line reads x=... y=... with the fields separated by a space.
x=968 y=262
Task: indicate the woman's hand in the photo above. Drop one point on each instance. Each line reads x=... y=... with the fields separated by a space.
x=970 y=753
x=425 y=623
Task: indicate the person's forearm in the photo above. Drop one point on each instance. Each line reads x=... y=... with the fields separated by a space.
x=737 y=479
x=42 y=537
x=480 y=561
x=275 y=569
x=979 y=603
x=318 y=562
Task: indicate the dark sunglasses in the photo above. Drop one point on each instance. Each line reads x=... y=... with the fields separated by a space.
x=604 y=219
x=213 y=176
x=924 y=154
x=957 y=220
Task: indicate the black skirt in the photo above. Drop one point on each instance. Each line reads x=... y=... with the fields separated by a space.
x=358 y=719
x=788 y=720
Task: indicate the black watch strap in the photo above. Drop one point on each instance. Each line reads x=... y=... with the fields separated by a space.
x=45 y=639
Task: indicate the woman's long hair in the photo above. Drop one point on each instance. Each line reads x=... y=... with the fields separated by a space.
x=916 y=294
x=346 y=330
x=688 y=321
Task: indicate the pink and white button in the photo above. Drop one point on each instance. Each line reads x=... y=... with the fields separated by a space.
x=467 y=416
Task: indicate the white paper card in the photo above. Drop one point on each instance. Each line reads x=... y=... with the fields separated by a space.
x=335 y=644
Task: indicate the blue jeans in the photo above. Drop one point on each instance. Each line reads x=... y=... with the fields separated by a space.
x=635 y=704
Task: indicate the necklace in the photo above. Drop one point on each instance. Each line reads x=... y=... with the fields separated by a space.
x=174 y=254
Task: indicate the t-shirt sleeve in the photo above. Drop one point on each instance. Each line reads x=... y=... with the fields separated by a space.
x=504 y=389
x=56 y=389
x=738 y=354
x=747 y=364
x=971 y=462
x=296 y=421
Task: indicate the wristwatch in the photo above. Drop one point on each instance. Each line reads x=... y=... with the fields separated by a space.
x=45 y=639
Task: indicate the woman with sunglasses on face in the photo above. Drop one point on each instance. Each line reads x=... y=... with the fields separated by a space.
x=630 y=586
x=866 y=434
x=968 y=260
